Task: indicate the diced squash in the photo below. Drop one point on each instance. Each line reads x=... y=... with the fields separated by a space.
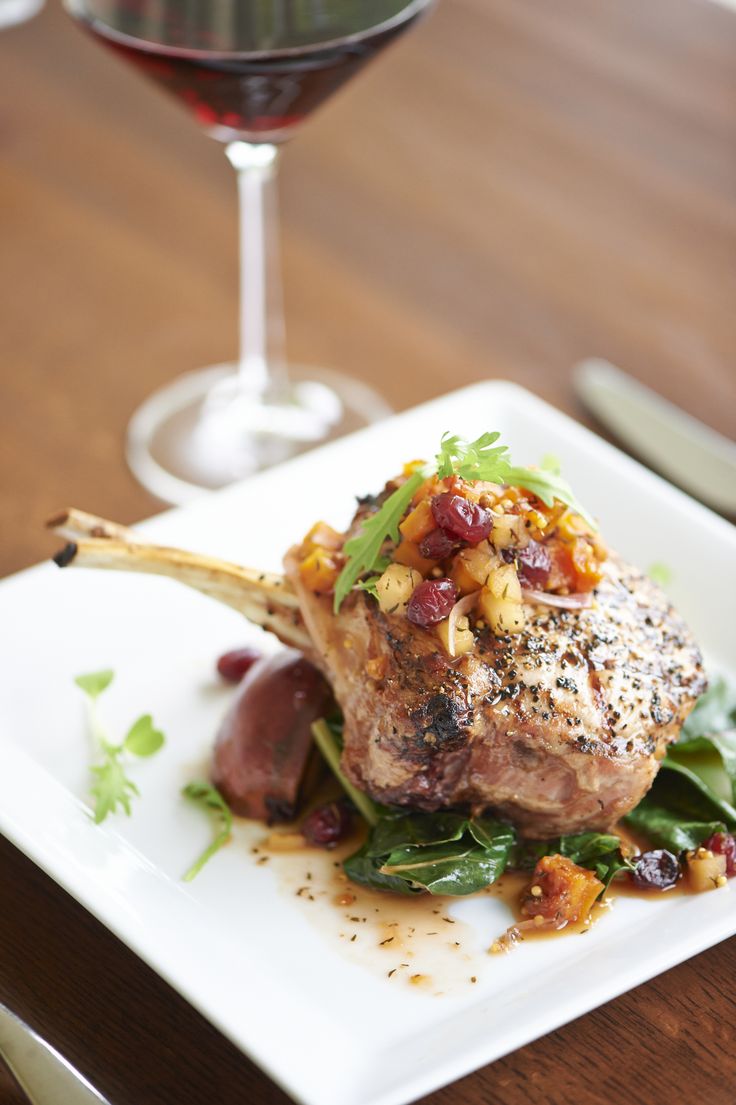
x=395 y=587
x=561 y=891
x=704 y=869
x=562 y=573
x=431 y=486
x=319 y=571
x=419 y=523
x=503 y=583
x=462 y=578
x=412 y=466
x=322 y=536
x=587 y=567
x=502 y=615
x=464 y=638
x=407 y=552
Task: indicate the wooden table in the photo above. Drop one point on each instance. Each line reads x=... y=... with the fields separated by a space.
x=517 y=185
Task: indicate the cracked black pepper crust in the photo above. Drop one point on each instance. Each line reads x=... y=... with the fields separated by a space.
x=559 y=728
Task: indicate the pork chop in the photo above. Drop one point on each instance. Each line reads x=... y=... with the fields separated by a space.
x=559 y=728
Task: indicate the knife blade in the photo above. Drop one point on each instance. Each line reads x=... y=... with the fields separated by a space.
x=688 y=452
x=42 y=1073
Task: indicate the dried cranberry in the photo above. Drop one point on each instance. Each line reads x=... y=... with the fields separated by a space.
x=437 y=545
x=233 y=665
x=657 y=870
x=535 y=564
x=431 y=601
x=328 y=824
x=462 y=519
x=723 y=844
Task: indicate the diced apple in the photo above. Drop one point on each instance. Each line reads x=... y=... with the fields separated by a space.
x=507 y=530
x=704 y=869
x=464 y=638
x=503 y=583
x=502 y=615
x=479 y=561
x=395 y=587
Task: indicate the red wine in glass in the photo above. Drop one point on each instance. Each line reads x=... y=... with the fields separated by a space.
x=258 y=73
x=249 y=71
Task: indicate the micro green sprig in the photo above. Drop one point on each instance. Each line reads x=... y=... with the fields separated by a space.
x=111 y=788
x=482 y=459
x=211 y=802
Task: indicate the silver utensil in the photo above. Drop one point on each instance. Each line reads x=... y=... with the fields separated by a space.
x=45 y=1077
x=684 y=449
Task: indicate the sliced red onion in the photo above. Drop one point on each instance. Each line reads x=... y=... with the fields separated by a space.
x=459 y=610
x=577 y=601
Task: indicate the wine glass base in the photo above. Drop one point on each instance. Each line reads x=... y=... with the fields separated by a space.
x=201 y=432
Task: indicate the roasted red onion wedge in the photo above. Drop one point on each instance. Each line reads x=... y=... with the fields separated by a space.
x=264 y=744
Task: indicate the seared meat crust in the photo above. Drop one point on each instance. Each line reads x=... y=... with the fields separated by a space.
x=559 y=729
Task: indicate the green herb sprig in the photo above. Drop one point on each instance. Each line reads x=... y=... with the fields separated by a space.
x=209 y=799
x=111 y=788
x=364 y=549
x=482 y=459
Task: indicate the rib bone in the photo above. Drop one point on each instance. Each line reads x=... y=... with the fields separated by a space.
x=264 y=598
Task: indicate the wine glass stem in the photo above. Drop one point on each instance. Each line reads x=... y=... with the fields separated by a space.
x=261 y=363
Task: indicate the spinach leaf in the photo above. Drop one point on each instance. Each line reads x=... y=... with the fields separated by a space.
x=585 y=848
x=681 y=810
x=447 y=870
x=665 y=829
x=694 y=794
x=713 y=712
x=711 y=729
x=582 y=848
x=366 y=870
x=688 y=794
x=404 y=829
x=445 y=853
x=600 y=852
x=491 y=834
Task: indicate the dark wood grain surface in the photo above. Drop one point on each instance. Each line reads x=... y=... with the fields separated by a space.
x=516 y=185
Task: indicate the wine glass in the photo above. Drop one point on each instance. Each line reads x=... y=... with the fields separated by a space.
x=250 y=73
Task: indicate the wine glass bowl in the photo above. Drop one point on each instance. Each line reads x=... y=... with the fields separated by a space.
x=249 y=74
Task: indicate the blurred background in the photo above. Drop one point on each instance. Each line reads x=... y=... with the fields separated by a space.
x=509 y=188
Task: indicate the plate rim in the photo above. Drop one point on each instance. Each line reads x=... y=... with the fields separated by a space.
x=103 y=907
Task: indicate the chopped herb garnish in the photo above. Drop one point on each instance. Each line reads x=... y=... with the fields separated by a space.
x=209 y=799
x=364 y=549
x=481 y=459
x=111 y=787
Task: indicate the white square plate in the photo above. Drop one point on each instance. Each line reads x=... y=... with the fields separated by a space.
x=325 y=1028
